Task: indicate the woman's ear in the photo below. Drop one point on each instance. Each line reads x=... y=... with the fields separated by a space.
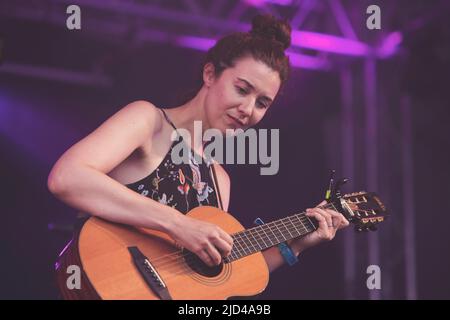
x=208 y=74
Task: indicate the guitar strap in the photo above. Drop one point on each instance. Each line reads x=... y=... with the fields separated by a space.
x=216 y=185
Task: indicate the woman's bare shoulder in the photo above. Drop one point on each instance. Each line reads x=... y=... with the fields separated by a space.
x=144 y=111
x=115 y=139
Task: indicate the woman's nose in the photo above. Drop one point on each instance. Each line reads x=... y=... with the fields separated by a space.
x=245 y=109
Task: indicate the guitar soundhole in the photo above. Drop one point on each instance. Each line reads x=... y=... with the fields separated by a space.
x=196 y=264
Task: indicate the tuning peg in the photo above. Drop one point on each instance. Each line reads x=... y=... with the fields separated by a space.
x=336 y=194
x=341 y=182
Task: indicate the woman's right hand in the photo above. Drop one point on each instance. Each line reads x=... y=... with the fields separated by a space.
x=208 y=241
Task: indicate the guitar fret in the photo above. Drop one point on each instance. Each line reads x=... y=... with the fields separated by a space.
x=282 y=221
x=311 y=225
x=270 y=234
x=250 y=242
x=256 y=240
x=271 y=229
x=281 y=233
x=263 y=238
x=302 y=224
x=240 y=244
x=284 y=229
x=246 y=241
x=295 y=227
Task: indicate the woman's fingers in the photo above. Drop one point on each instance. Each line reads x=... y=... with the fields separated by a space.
x=225 y=236
x=214 y=254
x=323 y=223
x=223 y=246
x=338 y=220
x=208 y=241
x=326 y=215
x=206 y=257
x=216 y=245
x=209 y=254
x=324 y=202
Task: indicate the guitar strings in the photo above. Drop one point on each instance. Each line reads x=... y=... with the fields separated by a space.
x=238 y=234
x=176 y=258
x=301 y=215
x=178 y=265
x=174 y=265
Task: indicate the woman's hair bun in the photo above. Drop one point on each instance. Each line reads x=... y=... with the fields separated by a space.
x=271 y=28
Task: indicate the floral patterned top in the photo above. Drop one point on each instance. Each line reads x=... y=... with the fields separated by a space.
x=181 y=186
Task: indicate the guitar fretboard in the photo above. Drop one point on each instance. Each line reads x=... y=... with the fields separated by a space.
x=270 y=234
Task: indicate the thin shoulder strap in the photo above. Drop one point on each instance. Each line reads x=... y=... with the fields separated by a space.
x=168 y=119
x=216 y=186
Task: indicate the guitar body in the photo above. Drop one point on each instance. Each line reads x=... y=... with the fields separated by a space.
x=108 y=271
x=115 y=261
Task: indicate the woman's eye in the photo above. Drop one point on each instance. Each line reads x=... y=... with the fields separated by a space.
x=244 y=92
x=241 y=91
x=262 y=105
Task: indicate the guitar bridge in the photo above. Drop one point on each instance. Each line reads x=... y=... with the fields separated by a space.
x=149 y=273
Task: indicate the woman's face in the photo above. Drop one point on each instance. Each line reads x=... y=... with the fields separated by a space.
x=241 y=95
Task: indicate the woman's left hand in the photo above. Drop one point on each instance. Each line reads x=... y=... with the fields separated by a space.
x=329 y=222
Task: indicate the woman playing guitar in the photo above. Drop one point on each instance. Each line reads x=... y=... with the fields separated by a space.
x=123 y=171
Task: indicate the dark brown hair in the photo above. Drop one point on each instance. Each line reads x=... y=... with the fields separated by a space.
x=265 y=42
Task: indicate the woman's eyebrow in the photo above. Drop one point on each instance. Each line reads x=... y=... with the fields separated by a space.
x=253 y=88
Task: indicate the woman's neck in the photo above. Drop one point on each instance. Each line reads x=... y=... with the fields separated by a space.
x=184 y=116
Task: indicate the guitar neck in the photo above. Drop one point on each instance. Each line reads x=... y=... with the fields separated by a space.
x=270 y=234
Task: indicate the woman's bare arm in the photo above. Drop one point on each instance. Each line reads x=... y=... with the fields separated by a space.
x=79 y=178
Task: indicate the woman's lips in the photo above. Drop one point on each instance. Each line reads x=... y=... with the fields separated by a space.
x=236 y=123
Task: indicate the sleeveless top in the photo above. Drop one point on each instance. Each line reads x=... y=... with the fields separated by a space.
x=182 y=186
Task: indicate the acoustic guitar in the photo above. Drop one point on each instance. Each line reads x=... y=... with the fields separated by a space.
x=122 y=262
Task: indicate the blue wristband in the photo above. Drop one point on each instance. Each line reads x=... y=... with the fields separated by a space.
x=287 y=254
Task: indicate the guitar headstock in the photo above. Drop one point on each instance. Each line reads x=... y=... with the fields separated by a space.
x=364 y=209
